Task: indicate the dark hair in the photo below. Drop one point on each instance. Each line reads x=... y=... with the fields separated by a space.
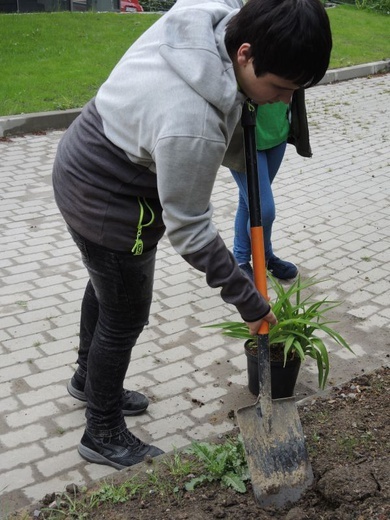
x=288 y=38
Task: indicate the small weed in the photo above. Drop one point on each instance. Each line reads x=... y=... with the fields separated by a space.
x=367 y=438
x=168 y=480
x=222 y=462
x=316 y=437
x=313 y=444
x=177 y=466
x=116 y=494
x=380 y=386
x=365 y=258
x=322 y=416
x=163 y=487
x=22 y=304
x=37 y=344
x=68 y=506
x=351 y=444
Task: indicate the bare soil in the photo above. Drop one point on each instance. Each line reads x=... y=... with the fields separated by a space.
x=348 y=438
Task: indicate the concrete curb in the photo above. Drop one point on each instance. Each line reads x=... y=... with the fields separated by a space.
x=358 y=71
x=58 y=120
x=37 y=122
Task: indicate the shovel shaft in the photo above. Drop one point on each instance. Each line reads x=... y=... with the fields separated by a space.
x=258 y=255
x=255 y=217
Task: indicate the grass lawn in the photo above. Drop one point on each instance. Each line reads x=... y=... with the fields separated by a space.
x=56 y=61
x=359 y=36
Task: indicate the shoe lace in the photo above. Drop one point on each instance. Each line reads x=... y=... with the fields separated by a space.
x=129 y=439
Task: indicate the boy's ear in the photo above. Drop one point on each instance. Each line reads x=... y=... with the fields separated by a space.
x=244 y=55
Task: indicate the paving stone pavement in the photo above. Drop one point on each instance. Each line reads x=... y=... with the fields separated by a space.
x=333 y=221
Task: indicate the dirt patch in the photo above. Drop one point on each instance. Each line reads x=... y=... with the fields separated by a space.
x=348 y=438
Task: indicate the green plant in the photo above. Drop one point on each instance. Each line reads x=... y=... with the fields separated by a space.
x=67 y=506
x=224 y=462
x=157 y=5
x=177 y=466
x=382 y=6
x=116 y=493
x=300 y=318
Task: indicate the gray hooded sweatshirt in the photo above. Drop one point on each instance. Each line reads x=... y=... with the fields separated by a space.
x=147 y=149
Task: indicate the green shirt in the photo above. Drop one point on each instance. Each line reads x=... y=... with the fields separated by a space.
x=272 y=125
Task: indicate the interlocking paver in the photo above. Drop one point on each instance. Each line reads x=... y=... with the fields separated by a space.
x=333 y=220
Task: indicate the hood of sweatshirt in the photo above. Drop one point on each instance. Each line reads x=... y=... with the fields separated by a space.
x=192 y=42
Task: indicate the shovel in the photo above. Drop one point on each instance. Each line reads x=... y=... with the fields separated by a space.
x=271 y=429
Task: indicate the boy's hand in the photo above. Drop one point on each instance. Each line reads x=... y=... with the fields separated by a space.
x=254 y=326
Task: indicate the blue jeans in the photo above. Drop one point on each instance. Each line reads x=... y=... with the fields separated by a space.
x=114 y=311
x=268 y=163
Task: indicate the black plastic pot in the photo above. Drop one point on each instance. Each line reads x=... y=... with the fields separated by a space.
x=283 y=378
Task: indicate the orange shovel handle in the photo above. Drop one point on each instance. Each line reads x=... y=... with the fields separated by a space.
x=259 y=268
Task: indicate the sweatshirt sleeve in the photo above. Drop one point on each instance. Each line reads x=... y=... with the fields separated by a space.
x=222 y=271
x=186 y=171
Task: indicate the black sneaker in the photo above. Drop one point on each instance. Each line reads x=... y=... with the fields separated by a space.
x=133 y=403
x=281 y=269
x=119 y=451
x=247 y=269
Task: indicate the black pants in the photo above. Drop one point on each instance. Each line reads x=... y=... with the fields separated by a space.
x=114 y=311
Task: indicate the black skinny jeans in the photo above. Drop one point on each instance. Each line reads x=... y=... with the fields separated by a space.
x=114 y=311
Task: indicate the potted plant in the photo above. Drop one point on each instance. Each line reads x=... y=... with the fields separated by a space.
x=293 y=338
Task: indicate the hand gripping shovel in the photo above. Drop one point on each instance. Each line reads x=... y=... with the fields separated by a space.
x=272 y=432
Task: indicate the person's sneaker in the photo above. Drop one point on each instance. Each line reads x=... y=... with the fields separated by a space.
x=247 y=269
x=119 y=451
x=133 y=403
x=281 y=269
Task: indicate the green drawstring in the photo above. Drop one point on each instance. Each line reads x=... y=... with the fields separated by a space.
x=250 y=105
x=138 y=244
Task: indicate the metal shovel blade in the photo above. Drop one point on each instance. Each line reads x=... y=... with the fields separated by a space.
x=277 y=457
